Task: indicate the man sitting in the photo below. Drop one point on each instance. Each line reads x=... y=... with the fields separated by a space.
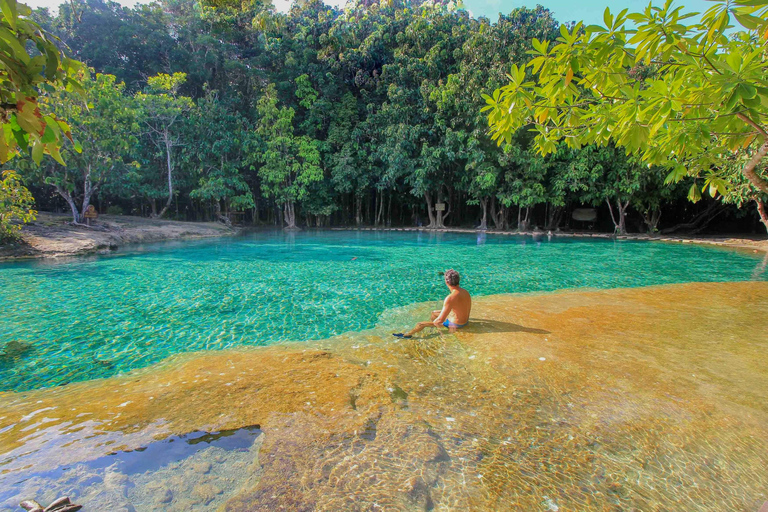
x=455 y=312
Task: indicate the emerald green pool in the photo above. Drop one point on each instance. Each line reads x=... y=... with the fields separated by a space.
x=88 y=318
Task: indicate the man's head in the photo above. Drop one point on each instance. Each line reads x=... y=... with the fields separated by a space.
x=452 y=278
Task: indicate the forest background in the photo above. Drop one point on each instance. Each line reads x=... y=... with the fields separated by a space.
x=368 y=115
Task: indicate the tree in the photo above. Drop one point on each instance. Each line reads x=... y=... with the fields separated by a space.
x=219 y=156
x=104 y=125
x=161 y=109
x=22 y=78
x=289 y=163
x=691 y=97
x=15 y=205
x=23 y=126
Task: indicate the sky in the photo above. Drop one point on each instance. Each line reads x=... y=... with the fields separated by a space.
x=589 y=11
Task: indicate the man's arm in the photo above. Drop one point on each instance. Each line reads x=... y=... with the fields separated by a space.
x=447 y=307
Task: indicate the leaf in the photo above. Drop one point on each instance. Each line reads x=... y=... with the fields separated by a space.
x=28 y=116
x=37 y=152
x=607 y=18
x=677 y=174
x=694 y=195
x=595 y=28
x=9 y=11
x=49 y=135
x=5 y=150
x=54 y=152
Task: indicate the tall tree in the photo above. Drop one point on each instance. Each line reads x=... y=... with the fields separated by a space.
x=289 y=163
x=105 y=127
x=162 y=111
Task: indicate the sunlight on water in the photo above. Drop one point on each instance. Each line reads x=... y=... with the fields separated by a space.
x=87 y=318
x=651 y=398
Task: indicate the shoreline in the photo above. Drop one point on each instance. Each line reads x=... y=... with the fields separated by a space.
x=755 y=244
x=53 y=236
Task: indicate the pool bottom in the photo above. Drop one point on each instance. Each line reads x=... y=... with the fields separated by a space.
x=650 y=398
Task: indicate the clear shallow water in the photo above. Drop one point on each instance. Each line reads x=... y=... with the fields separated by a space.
x=89 y=318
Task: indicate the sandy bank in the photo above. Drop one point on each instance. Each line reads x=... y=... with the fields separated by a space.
x=52 y=235
x=628 y=399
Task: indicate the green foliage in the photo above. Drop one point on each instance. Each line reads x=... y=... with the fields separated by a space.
x=290 y=163
x=104 y=124
x=690 y=96
x=16 y=206
x=219 y=155
x=373 y=115
x=24 y=76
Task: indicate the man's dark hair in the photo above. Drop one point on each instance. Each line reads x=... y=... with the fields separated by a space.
x=452 y=277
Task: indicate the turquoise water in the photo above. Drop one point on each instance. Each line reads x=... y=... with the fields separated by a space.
x=88 y=318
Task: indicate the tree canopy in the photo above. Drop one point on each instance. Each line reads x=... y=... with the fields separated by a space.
x=321 y=116
x=691 y=96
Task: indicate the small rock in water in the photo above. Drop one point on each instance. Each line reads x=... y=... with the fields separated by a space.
x=164 y=496
x=206 y=493
x=201 y=467
x=14 y=349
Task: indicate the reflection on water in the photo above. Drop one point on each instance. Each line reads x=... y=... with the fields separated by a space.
x=635 y=399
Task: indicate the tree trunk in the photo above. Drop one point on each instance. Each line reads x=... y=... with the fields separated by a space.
x=522 y=223
x=484 y=220
x=651 y=219
x=220 y=216
x=499 y=216
x=88 y=190
x=76 y=217
x=168 y=147
x=441 y=215
x=620 y=224
x=289 y=215
x=358 y=211
x=763 y=212
x=428 y=198
x=389 y=210
x=554 y=217
x=749 y=169
x=379 y=208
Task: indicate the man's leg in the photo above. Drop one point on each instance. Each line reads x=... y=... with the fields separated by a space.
x=420 y=327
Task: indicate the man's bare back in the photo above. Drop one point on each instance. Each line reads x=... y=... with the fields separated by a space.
x=456 y=309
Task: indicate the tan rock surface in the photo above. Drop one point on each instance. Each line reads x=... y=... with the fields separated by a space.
x=650 y=399
x=53 y=235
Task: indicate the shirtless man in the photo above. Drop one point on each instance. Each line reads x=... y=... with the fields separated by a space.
x=455 y=312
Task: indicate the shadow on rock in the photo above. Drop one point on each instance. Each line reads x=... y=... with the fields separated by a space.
x=487 y=326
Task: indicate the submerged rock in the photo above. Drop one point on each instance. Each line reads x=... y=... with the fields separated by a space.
x=15 y=349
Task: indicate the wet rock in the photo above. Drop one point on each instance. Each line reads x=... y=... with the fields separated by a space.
x=116 y=482
x=14 y=349
x=182 y=505
x=206 y=493
x=163 y=496
x=201 y=467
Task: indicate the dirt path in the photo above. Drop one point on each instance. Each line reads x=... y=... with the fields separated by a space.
x=52 y=235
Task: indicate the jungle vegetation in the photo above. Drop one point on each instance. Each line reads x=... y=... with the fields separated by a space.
x=373 y=115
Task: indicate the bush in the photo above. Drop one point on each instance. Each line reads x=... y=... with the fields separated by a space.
x=15 y=206
x=114 y=210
